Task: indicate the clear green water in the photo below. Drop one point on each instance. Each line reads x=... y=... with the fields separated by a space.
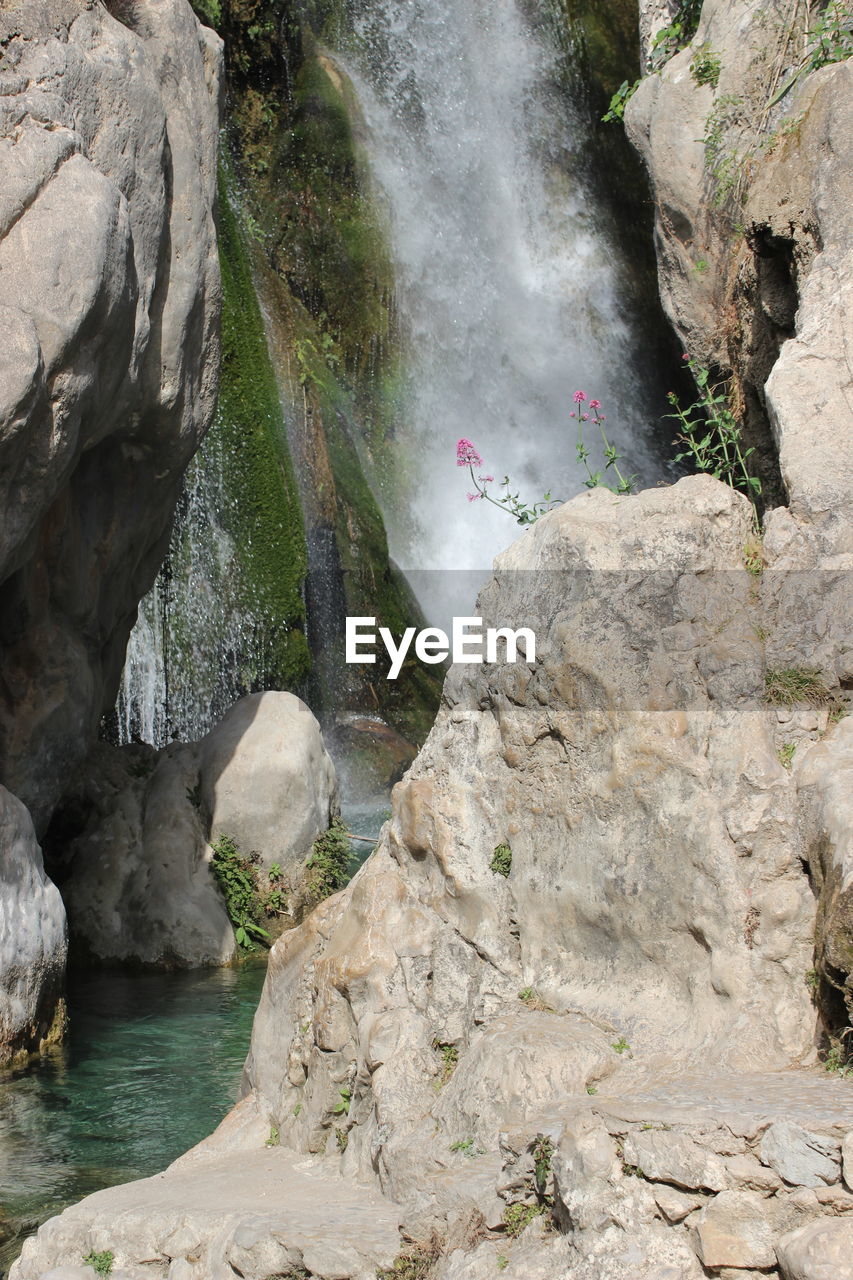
x=152 y=1063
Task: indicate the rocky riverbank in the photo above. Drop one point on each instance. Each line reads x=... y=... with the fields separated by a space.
x=574 y=1015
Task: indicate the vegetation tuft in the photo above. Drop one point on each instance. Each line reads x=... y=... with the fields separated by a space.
x=329 y=862
x=247 y=899
x=786 y=686
x=501 y=863
x=101 y=1263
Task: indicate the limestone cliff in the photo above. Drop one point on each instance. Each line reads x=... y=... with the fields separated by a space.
x=109 y=306
x=109 y=288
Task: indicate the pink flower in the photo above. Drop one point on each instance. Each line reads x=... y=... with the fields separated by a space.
x=473 y=497
x=584 y=417
x=595 y=404
x=580 y=396
x=467 y=455
x=685 y=356
x=485 y=479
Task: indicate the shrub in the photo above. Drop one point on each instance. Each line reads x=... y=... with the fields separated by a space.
x=329 y=862
x=101 y=1263
x=501 y=863
x=237 y=877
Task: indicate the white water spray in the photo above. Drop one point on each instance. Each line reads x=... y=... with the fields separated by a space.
x=507 y=286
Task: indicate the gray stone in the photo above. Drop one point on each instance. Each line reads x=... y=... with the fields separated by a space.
x=847 y=1160
x=140 y=885
x=109 y=303
x=675 y=1205
x=801 y=1158
x=676 y=1158
x=32 y=939
x=734 y=1230
x=819 y=1251
x=267 y=780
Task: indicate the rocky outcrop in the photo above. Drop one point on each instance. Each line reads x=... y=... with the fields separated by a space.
x=109 y=294
x=754 y=204
x=599 y=1019
x=32 y=940
x=754 y=198
x=137 y=878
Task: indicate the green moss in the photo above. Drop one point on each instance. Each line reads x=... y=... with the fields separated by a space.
x=265 y=518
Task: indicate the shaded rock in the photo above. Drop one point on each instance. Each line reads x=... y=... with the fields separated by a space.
x=139 y=884
x=819 y=1251
x=734 y=1230
x=32 y=939
x=109 y=302
x=847 y=1160
x=801 y=1158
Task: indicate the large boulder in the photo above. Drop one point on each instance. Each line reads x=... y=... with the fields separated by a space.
x=109 y=304
x=137 y=878
x=32 y=939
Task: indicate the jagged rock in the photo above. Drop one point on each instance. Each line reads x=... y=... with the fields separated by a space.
x=802 y=1159
x=781 y=282
x=847 y=1160
x=32 y=939
x=675 y=1205
x=825 y=782
x=139 y=885
x=747 y=1173
x=819 y=1251
x=109 y=300
x=676 y=1158
x=734 y=1230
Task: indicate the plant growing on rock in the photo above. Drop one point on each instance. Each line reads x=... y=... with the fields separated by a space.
x=237 y=877
x=101 y=1263
x=416 y=1263
x=711 y=435
x=518 y=1216
x=329 y=862
x=467 y=456
x=595 y=479
x=786 y=686
x=449 y=1058
x=501 y=863
x=668 y=41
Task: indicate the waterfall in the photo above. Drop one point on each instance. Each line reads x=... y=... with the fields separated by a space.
x=195 y=648
x=508 y=285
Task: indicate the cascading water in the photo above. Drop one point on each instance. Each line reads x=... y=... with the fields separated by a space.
x=509 y=296
x=508 y=288
x=195 y=648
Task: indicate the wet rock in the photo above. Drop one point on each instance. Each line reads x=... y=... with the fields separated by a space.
x=801 y=1158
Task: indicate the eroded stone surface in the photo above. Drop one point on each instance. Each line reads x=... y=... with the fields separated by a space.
x=820 y=1251
x=109 y=301
x=32 y=937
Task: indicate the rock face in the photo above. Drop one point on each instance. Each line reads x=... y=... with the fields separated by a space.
x=32 y=939
x=109 y=298
x=754 y=220
x=139 y=886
